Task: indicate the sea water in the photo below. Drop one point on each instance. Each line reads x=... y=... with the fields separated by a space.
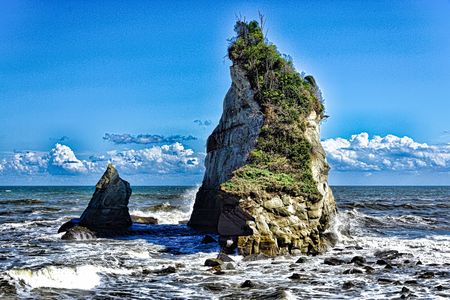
x=35 y=263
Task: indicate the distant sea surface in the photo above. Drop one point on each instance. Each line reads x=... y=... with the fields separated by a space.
x=400 y=234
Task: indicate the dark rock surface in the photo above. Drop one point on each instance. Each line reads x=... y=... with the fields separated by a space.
x=79 y=233
x=107 y=211
x=207 y=239
x=66 y=226
x=213 y=262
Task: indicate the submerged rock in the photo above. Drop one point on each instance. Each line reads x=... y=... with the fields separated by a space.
x=348 y=285
x=333 y=261
x=165 y=271
x=79 y=233
x=207 y=239
x=266 y=172
x=213 y=262
x=144 y=220
x=223 y=257
x=247 y=284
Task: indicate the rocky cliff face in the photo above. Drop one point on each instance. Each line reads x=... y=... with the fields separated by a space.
x=265 y=158
x=228 y=148
x=293 y=224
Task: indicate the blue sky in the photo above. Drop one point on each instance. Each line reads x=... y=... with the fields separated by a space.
x=72 y=72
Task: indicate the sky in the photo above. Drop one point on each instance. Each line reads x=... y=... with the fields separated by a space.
x=141 y=84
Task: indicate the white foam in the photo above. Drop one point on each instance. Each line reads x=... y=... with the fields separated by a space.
x=174 y=216
x=139 y=254
x=80 y=277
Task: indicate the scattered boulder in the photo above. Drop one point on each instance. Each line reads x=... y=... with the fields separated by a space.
x=229 y=266
x=165 y=271
x=388 y=254
x=79 y=233
x=213 y=262
x=207 y=239
x=369 y=269
x=426 y=275
x=223 y=257
x=247 y=284
x=358 y=260
x=348 y=285
x=385 y=280
x=301 y=260
x=6 y=288
x=353 y=271
x=295 y=276
x=333 y=261
x=405 y=290
x=144 y=220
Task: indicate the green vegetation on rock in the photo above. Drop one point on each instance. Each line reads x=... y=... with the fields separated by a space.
x=281 y=160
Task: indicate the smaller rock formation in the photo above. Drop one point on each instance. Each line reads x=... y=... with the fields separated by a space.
x=108 y=209
x=107 y=213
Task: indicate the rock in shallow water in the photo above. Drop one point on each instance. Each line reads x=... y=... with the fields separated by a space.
x=107 y=211
x=252 y=136
x=213 y=262
x=79 y=233
x=144 y=220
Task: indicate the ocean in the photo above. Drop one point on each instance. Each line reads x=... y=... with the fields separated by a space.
x=392 y=242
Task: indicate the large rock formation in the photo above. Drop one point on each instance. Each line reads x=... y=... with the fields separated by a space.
x=265 y=164
x=228 y=148
x=108 y=209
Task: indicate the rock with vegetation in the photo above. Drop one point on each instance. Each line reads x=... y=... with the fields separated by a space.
x=265 y=155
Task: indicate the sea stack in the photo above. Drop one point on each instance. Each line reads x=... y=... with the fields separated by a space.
x=265 y=165
x=107 y=211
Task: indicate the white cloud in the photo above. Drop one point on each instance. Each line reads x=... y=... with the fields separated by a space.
x=164 y=159
x=389 y=153
x=27 y=162
x=61 y=160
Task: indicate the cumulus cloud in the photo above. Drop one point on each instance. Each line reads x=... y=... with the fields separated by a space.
x=166 y=159
x=204 y=123
x=27 y=162
x=61 y=160
x=389 y=153
x=146 y=139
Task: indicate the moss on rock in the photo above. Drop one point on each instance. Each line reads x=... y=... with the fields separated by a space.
x=281 y=161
